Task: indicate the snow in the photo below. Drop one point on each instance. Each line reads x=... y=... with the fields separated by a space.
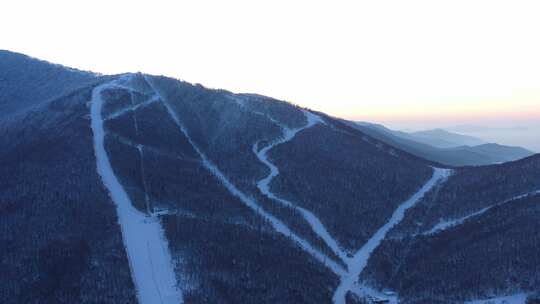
x=144 y=184
x=443 y=225
x=132 y=108
x=360 y=259
x=146 y=246
x=239 y=101
x=356 y=264
x=242 y=104
x=278 y=225
x=370 y=293
x=123 y=83
x=519 y=298
x=264 y=184
x=129 y=142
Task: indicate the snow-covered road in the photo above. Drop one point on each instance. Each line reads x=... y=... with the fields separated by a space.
x=146 y=246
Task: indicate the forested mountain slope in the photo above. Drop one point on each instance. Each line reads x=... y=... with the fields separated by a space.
x=475 y=236
x=27 y=82
x=59 y=237
x=139 y=188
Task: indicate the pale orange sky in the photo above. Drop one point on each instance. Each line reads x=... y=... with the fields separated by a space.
x=516 y=107
x=398 y=62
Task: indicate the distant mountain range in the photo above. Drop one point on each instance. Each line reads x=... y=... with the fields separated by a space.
x=440 y=138
x=137 y=188
x=444 y=147
x=480 y=129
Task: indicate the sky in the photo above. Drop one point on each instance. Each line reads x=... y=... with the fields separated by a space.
x=406 y=64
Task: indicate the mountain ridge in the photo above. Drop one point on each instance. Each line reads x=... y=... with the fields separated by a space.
x=245 y=189
x=441 y=138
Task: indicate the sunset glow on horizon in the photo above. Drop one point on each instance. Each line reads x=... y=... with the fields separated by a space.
x=404 y=63
x=454 y=111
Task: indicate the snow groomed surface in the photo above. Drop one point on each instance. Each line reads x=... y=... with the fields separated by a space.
x=146 y=246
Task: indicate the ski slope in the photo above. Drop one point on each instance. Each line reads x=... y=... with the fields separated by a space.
x=443 y=225
x=133 y=108
x=264 y=184
x=277 y=224
x=348 y=276
x=360 y=259
x=146 y=246
x=355 y=265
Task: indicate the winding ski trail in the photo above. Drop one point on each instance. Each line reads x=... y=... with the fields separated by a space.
x=360 y=259
x=264 y=184
x=277 y=224
x=144 y=240
x=348 y=276
x=358 y=262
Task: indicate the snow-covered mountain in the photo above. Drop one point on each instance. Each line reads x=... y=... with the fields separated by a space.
x=138 y=188
x=27 y=82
